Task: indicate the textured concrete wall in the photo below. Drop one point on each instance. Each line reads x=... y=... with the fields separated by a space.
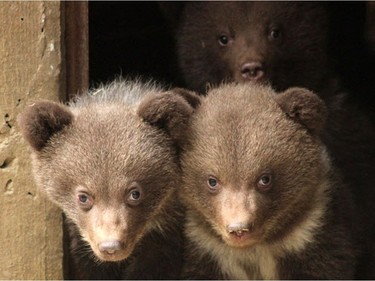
x=30 y=69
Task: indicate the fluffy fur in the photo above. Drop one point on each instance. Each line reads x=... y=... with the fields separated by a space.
x=109 y=160
x=263 y=197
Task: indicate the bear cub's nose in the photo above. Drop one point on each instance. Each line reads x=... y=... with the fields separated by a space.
x=252 y=70
x=238 y=229
x=110 y=246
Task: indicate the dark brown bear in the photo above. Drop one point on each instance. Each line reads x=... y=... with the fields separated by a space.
x=109 y=160
x=286 y=44
x=264 y=199
x=281 y=43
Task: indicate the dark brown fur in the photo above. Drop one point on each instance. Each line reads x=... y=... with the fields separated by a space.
x=350 y=137
x=298 y=57
x=317 y=42
x=104 y=147
x=306 y=225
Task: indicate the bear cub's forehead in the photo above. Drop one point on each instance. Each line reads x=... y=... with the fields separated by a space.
x=109 y=126
x=247 y=120
x=112 y=142
x=241 y=102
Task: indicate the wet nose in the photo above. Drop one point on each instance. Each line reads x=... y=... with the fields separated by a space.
x=252 y=70
x=110 y=246
x=238 y=228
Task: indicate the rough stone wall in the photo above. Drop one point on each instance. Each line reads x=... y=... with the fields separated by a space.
x=30 y=69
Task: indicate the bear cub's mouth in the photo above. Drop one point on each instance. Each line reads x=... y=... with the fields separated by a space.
x=241 y=237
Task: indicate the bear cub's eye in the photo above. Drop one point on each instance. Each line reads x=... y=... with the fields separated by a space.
x=265 y=182
x=224 y=40
x=213 y=184
x=135 y=196
x=275 y=33
x=85 y=200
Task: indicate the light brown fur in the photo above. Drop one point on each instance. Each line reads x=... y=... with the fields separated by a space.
x=105 y=146
x=297 y=228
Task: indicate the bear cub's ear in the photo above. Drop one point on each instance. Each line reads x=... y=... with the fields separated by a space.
x=304 y=107
x=41 y=120
x=170 y=111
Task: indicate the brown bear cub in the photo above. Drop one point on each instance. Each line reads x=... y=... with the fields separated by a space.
x=263 y=198
x=109 y=160
x=281 y=43
x=315 y=45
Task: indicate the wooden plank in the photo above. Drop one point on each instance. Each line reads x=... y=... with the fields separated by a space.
x=76 y=46
x=77 y=78
x=30 y=69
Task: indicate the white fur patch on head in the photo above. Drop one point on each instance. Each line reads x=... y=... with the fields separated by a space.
x=120 y=91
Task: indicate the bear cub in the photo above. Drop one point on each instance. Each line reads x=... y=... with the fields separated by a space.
x=315 y=45
x=109 y=160
x=263 y=199
x=283 y=44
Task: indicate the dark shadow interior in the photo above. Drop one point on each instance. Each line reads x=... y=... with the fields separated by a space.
x=129 y=39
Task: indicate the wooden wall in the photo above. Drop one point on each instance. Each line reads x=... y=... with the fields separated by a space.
x=31 y=68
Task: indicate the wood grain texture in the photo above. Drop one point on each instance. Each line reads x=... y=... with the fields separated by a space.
x=30 y=69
